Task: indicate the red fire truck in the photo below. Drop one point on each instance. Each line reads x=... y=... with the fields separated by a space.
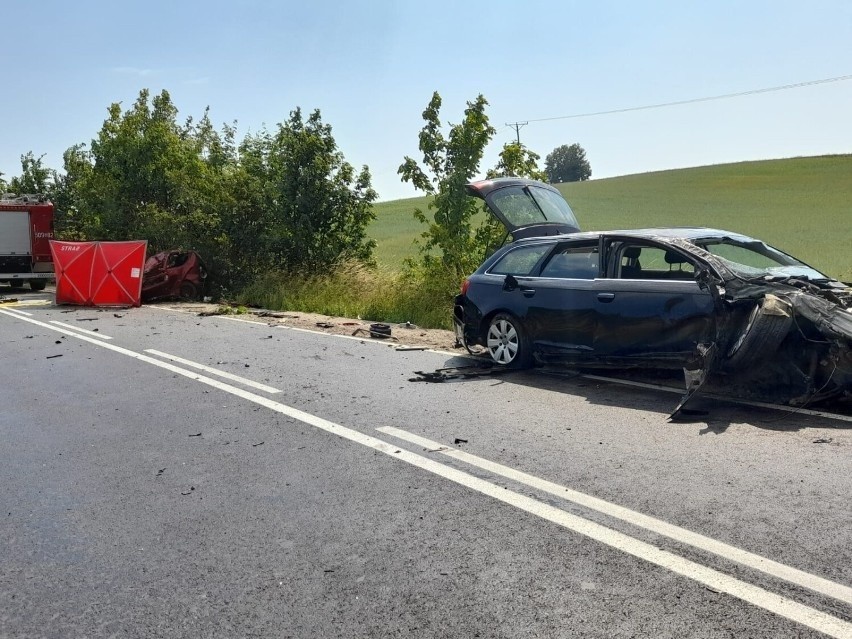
x=26 y=228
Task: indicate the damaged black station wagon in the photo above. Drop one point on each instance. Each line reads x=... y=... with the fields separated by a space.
x=727 y=309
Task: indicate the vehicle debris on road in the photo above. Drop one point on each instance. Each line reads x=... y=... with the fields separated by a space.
x=459 y=372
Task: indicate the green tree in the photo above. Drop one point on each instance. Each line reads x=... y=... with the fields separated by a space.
x=144 y=178
x=516 y=160
x=567 y=164
x=286 y=200
x=70 y=222
x=448 y=164
x=307 y=205
x=34 y=178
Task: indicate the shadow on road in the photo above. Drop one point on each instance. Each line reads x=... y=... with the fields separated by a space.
x=656 y=392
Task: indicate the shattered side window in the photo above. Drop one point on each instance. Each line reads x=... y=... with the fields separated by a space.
x=520 y=261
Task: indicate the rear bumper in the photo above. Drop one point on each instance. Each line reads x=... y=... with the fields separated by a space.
x=458 y=329
x=464 y=329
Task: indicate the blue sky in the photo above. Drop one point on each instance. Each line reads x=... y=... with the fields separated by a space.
x=371 y=68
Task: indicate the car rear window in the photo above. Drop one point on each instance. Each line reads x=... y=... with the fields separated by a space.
x=523 y=206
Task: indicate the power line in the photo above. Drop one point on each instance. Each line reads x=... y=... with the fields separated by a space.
x=725 y=96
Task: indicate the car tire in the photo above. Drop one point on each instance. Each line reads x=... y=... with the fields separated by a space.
x=188 y=292
x=763 y=333
x=507 y=342
x=37 y=285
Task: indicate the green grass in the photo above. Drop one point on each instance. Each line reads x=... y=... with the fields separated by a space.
x=800 y=205
x=395 y=230
x=352 y=290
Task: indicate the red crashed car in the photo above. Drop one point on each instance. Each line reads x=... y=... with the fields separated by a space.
x=173 y=275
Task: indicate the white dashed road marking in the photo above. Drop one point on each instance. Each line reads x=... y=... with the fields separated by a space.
x=81 y=330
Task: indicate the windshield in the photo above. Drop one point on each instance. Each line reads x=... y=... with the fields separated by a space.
x=752 y=258
x=526 y=205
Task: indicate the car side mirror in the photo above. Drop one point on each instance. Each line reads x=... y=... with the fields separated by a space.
x=510 y=283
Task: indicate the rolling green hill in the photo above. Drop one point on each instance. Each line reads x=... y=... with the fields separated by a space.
x=801 y=205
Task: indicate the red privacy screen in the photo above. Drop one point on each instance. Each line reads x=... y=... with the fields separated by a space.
x=99 y=273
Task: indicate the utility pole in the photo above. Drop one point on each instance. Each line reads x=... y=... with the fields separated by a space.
x=517 y=126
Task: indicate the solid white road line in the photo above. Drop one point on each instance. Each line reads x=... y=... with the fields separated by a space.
x=748 y=559
x=772 y=602
x=82 y=330
x=214 y=371
x=16 y=310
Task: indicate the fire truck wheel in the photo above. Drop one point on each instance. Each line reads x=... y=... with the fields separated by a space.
x=188 y=292
x=37 y=285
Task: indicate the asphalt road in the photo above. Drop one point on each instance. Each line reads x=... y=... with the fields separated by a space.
x=317 y=492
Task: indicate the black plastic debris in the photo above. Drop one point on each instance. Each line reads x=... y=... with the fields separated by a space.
x=460 y=372
x=688 y=414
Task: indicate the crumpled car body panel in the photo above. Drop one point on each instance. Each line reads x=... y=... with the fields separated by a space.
x=173 y=274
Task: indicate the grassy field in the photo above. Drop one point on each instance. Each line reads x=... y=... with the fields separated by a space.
x=800 y=205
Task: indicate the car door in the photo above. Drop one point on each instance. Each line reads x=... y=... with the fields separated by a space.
x=561 y=311
x=650 y=307
x=506 y=285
